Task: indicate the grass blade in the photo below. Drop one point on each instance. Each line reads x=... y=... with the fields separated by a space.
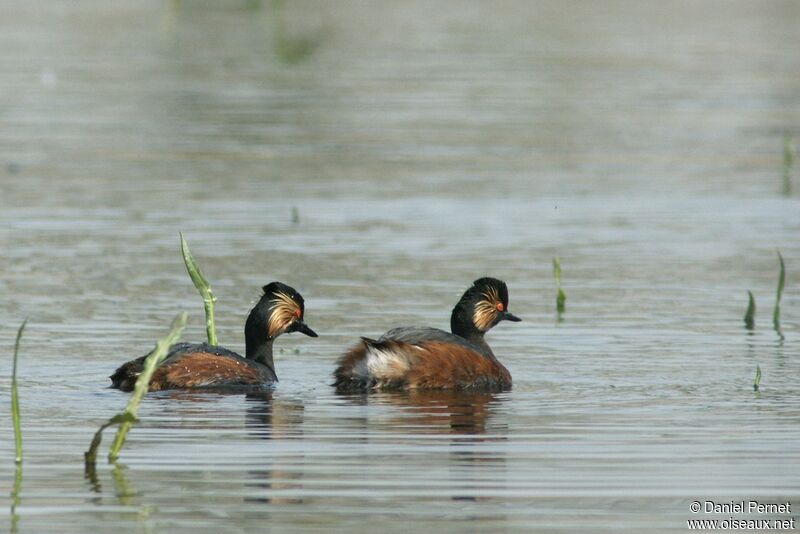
x=143 y=382
x=776 y=313
x=757 y=381
x=750 y=314
x=15 y=399
x=561 y=297
x=202 y=285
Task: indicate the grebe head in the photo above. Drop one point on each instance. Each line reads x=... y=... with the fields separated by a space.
x=482 y=306
x=280 y=310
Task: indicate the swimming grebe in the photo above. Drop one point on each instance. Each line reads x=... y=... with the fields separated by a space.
x=429 y=358
x=189 y=365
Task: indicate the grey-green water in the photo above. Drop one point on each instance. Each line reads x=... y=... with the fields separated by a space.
x=422 y=146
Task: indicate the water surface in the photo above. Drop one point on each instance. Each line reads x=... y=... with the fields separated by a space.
x=422 y=147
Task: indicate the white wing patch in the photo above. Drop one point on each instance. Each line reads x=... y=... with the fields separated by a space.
x=382 y=364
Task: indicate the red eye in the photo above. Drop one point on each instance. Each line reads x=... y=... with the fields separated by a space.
x=500 y=306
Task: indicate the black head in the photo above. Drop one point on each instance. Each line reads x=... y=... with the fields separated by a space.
x=280 y=310
x=482 y=306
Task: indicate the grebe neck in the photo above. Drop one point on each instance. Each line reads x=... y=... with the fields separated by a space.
x=258 y=344
x=461 y=325
x=262 y=353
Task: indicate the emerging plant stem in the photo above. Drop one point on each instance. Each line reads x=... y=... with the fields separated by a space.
x=776 y=313
x=750 y=314
x=788 y=161
x=15 y=398
x=143 y=382
x=202 y=285
x=757 y=381
x=127 y=417
x=561 y=297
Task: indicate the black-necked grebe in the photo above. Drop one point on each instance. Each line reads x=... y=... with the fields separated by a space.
x=429 y=358
x=188 y=365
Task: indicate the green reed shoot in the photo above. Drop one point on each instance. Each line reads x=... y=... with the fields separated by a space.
x=788 y=161
x=561 y=297
x=750 y=314
x=202 y=285
x=15 y=399
x=757 y=381
x=126 y=418
x=776 y=313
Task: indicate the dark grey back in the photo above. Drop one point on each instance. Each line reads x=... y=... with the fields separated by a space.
x=420 y=334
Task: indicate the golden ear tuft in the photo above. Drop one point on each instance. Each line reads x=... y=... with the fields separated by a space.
x=486 y=310
x=283 y=311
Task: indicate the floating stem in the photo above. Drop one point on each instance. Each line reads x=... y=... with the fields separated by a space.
x=750 y=314
x=776 y=313
x=15 y=398
x=126 y=418
x=202 y=285
x=561 y=297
